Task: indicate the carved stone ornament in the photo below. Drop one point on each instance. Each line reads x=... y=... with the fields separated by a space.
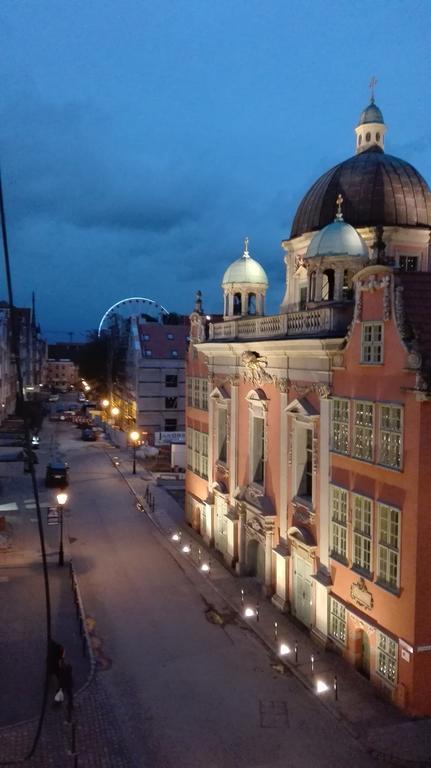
x=233 y=380
x=282 y=385
x=303 y=389
x=255 y=368
x=414 y=360
x=360 y=595
x=338 y=361
x=302 y=515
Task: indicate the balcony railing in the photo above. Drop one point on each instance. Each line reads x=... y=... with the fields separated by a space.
x=308 y=322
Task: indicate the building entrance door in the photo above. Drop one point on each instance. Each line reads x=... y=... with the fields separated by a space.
x=302 y=590
x=364 y=665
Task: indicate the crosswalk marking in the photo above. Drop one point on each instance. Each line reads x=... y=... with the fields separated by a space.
x=11 y=507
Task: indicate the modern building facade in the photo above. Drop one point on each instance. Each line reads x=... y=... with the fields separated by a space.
x=150 y=393
x=308 y=455
x=61 y=374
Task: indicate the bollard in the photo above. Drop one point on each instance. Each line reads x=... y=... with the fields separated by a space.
x=242 y=596
x=296 y=651
x=312 y=663
x=275 y=631
x=335 y=688
x=199 y=555
x=257 y=611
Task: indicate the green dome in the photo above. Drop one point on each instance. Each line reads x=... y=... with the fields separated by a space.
x=245 y=270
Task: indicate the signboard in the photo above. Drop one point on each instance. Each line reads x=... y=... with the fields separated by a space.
x=52 y=515
x=165 y=438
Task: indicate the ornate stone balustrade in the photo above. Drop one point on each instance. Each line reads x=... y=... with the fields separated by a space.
x=307 y=322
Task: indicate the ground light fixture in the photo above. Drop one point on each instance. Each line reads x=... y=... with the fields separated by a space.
x=205 y=567
x=284 y=649
x=249 y=612
x=176 y=537
x=186 y=549
x=321 y=687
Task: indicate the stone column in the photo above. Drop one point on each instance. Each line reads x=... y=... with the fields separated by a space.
x=268 y=562
x=283 y=466
x=322 y=580
x=241 y=563
x=319 y=281
x=338 y=283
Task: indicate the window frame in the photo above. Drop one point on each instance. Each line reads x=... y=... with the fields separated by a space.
x=391 y=432
x=372 y=343
x=337 y=619
x=361 y=534
x=386 y=660
x=390 y=550
x=338 y=525
x=363 y=426
x=222 y=450
x=341 y=423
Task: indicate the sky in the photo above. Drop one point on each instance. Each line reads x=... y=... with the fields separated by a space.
x=141 y=141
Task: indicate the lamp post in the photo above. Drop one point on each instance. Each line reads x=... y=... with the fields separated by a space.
x=61 y=501
x=134 y=437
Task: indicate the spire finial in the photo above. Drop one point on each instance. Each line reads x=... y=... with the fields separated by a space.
x=373 y=83
x=246 y=253
x=339 y=214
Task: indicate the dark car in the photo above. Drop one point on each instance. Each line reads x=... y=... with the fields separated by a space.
x=89 y=435
x=57 y=474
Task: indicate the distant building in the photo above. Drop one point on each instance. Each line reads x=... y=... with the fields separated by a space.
x=150 y=390
x=308 y=431
x=61 y=374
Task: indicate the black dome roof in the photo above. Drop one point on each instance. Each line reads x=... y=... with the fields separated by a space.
x=377 y=189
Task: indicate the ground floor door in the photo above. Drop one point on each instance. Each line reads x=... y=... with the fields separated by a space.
x=302 y=590
x=256 y=560
x=364 y=662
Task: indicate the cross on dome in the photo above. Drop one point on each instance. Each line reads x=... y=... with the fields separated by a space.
x=339 y=214
x=372 y=85
x=246 y=253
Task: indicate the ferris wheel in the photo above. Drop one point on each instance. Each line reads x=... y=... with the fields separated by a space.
x=135 y=305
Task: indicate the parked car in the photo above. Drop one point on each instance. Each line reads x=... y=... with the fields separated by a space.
x=57 y=474
x=53 y=398
x=89 y=434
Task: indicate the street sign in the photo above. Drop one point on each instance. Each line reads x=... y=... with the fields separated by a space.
x=164 y=438
x=52 y=515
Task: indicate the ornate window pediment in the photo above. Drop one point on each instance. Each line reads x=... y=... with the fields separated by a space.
x=256 y=396
x=301 y=407
x=219 y=393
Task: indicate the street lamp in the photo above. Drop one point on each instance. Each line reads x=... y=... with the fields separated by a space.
x=61 y=501
x=105 y=403
x=134 y=436
x=114 y=413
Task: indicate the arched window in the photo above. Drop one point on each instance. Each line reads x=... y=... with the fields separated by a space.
x=237 y=304
x=312 y=288
x=359 y=140
x=347 y=284
x=251 y=304
x=328 y=285
x=368 y=136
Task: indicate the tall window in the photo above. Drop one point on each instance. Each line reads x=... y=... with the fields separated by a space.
x=222 y=434
x=204 y=455
x=328 y=281
x=390 y=445
x=363 y=431
x=387 y=657
x=337 y=621
x=340 y=425
x=189 y=448
x=196 y=451
x=258 y=449
x=171 y=380
x=362 y=533
x=190 y=390
x=389 y=546
x=237 y=301
x=204 y=403
x=339 y=522
x=304 y=461
x=372 y=343
x=196 y=393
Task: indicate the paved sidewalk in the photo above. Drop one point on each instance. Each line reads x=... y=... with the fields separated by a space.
x=381 y=729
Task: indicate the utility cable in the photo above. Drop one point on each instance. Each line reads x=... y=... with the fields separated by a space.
x=29 y=454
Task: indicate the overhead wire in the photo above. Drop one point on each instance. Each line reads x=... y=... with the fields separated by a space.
x=28 y=454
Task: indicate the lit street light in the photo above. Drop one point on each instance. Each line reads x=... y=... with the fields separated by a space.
x=61 y=501
x=134 y=436
x=105 y=403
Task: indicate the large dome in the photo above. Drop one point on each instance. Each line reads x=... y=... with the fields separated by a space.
x=378 y=189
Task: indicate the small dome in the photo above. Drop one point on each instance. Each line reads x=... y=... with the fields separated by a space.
x=338 y=239
x=371 y=114
x=245 y=270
